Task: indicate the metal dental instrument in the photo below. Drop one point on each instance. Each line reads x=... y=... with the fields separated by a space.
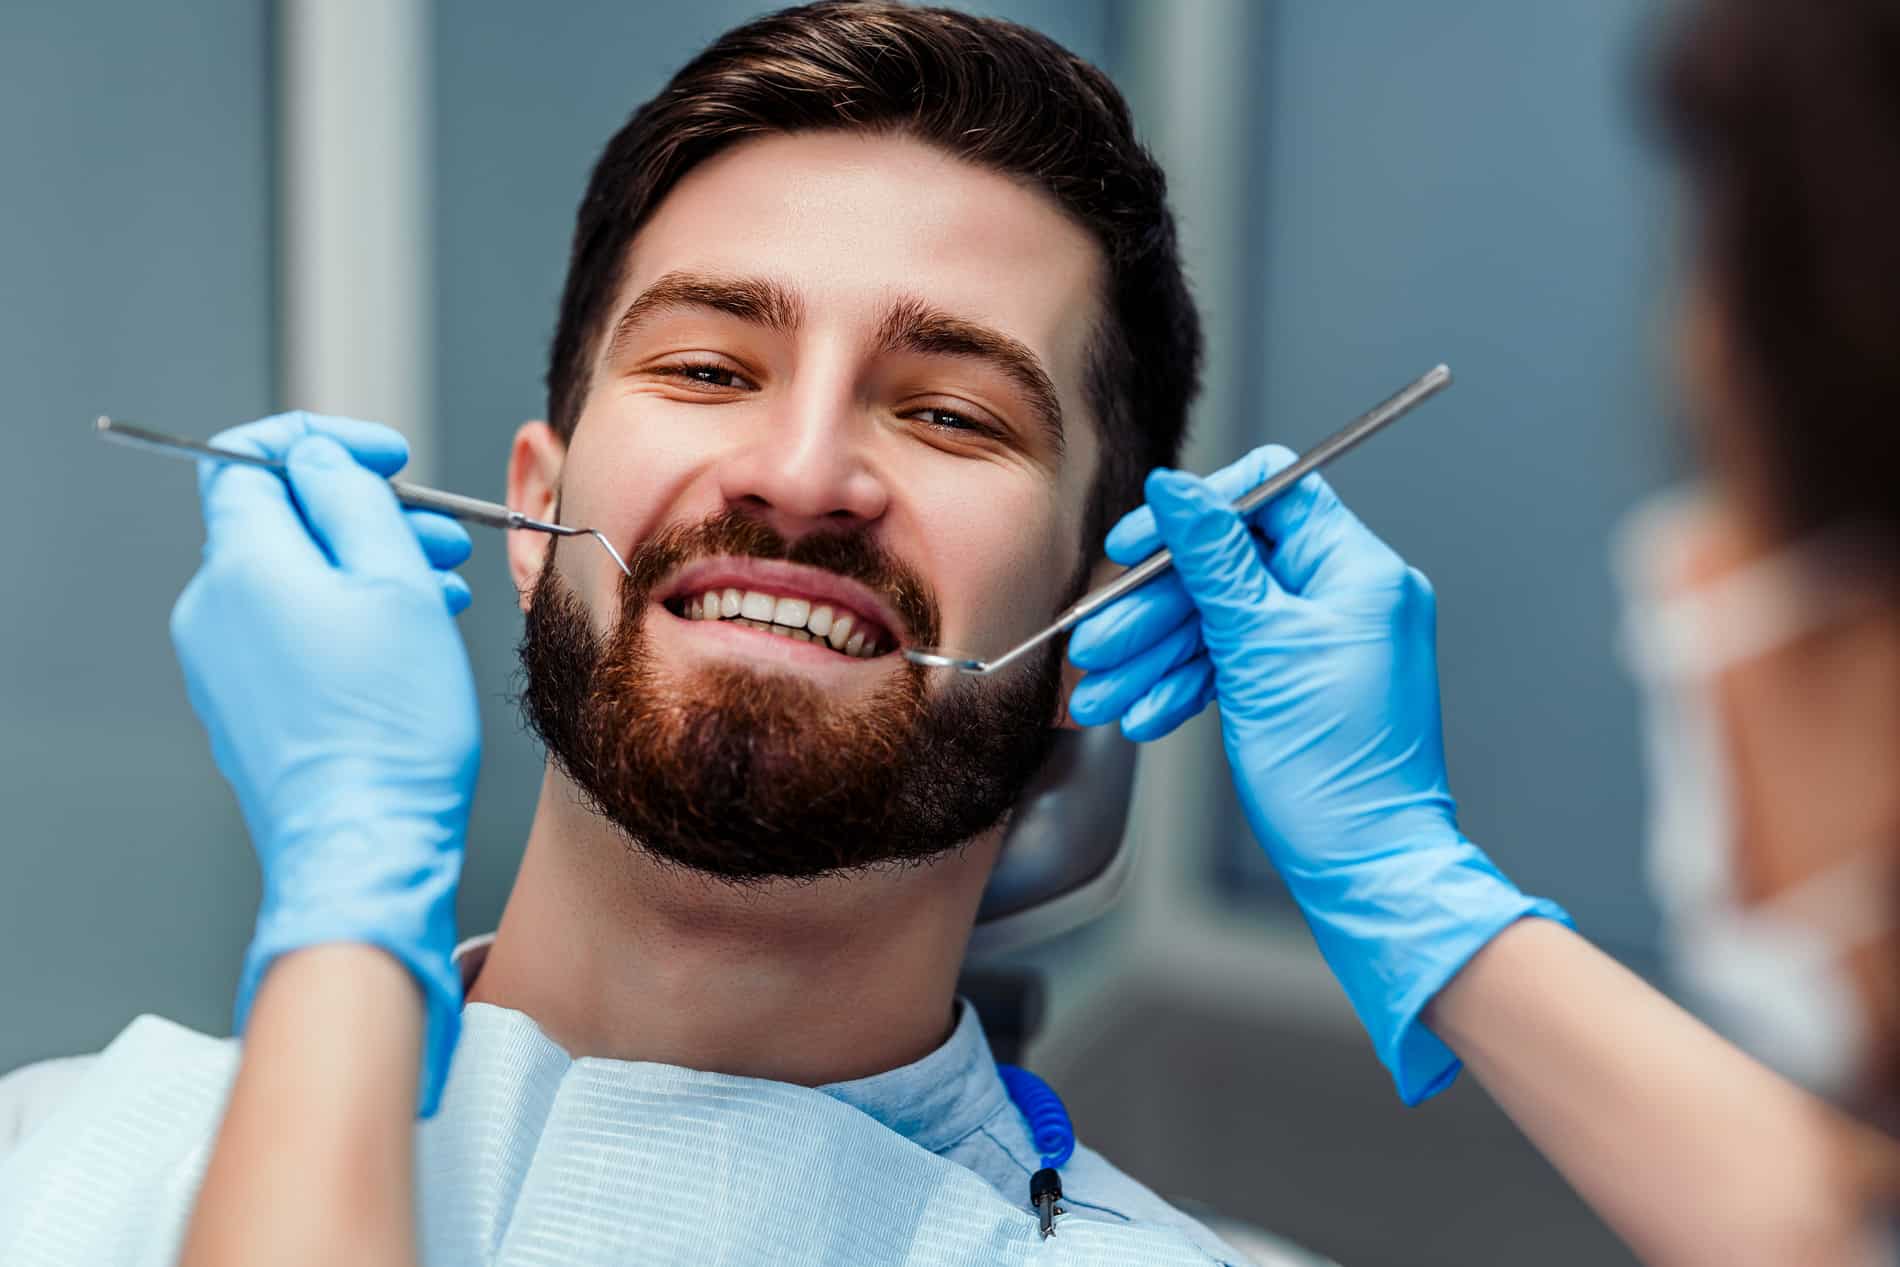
x=468 y=509
x=1160 y=561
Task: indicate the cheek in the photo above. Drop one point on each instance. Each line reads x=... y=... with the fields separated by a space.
x=625 y=488
x=633 y=465
x=999 y=565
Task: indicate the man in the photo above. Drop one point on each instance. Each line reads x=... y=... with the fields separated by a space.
x=874 y=319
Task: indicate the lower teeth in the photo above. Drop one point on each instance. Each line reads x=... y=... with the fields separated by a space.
x=786 y=631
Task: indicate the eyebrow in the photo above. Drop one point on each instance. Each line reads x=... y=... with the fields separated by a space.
x=910 y=325
x=757 y=300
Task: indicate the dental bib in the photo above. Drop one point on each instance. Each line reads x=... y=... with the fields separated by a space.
x=535 y=1159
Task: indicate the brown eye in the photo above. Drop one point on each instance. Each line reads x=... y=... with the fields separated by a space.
x=950 y=420
x=704 y=374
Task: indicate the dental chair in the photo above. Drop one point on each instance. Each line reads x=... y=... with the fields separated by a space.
x=1062 y=864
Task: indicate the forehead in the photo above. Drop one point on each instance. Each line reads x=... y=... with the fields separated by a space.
x=849 y=221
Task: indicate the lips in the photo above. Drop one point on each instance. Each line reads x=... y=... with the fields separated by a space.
x=796 y=601
x=800 y=617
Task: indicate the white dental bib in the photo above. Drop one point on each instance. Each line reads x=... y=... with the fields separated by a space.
x=538 y=1159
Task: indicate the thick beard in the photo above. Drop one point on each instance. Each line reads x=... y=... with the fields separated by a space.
x=748 y=775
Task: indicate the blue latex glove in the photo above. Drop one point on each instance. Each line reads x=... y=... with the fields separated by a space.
x=319 y=648
x=1320 y=650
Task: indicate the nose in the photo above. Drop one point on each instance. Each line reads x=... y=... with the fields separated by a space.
x=807 y=465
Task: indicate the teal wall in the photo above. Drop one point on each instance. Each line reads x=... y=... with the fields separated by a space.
x=1464 y=182
x=135 y=278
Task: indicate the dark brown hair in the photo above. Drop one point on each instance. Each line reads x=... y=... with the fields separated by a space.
x=1787 y=113
x=989 y=92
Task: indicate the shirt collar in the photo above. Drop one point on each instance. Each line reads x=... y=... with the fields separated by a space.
x=934 y=1102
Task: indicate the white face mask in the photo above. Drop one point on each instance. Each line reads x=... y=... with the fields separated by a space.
x=1768 y=976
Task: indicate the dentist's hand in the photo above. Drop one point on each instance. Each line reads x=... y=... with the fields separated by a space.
x=1318 y=643
x=319 y=648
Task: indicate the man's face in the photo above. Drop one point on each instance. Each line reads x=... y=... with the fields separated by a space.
x=862 y=358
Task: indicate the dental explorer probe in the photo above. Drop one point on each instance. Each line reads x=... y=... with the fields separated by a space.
x=1160 y=561
x=416 y=496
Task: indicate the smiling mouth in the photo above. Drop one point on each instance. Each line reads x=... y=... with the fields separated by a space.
x=801 y=619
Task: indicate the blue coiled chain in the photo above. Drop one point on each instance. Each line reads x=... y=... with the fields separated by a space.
x=1054 y=1137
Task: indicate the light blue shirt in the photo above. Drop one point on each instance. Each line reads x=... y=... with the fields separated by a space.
x=951 y=1103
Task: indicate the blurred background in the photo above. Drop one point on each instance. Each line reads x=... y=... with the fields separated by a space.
x=216 y=209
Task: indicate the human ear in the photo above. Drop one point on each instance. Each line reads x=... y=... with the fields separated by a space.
x=534 y=488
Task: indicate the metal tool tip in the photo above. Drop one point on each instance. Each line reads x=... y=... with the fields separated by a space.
x=608 y=546
x=937 y=660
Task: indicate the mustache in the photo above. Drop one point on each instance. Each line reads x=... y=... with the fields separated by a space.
x=852 y=554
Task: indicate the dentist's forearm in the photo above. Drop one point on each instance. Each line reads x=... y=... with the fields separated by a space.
x=1694 y=1153
x=314 y=1161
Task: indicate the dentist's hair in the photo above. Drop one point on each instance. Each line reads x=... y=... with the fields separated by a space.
x=1787 y=113
x=986 y=91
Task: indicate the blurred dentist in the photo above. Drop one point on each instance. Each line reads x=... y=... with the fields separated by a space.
x=1764 y=627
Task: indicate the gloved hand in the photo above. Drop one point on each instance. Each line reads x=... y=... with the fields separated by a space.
x=319 y=649
x=1318 y=642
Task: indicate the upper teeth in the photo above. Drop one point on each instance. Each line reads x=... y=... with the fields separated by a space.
x=798 y=618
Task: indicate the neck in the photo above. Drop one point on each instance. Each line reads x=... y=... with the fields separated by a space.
x=614 y=953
